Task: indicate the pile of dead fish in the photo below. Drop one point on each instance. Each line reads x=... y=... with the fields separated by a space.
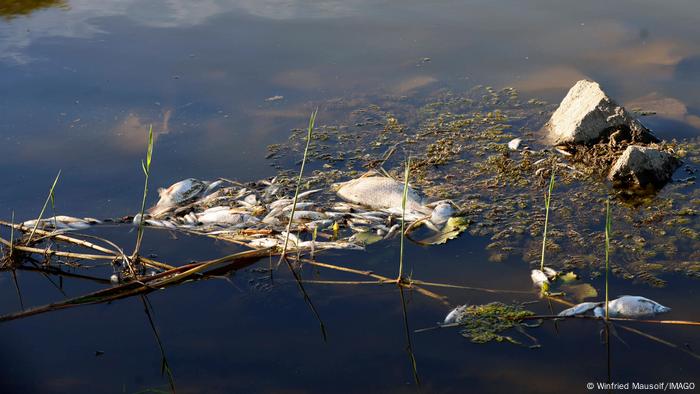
x=257 y=213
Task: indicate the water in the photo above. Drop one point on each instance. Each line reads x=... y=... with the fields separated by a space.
x=81 y=82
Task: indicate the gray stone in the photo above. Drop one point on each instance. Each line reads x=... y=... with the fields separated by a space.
x=587 y=115
x=641 y=166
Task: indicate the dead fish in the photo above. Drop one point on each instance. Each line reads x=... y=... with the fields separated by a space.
x=263 y=243
x=320 y=224
x=580 y=309
x=307 y=193
x=281 y=203
x=225 y=217
x=409 y=215
x=308 y=215
x=342 y=207
x=251 y=199
x=635 y=307
x=599 y=311
x=514 y=144
x=160 y=223
x=300 y=206
x=181 y=193
x=392 y=231
x=379 y=192
x=455 y=315
x=63 y=222
x=442 y=213
x=539 y=278
x=551 y=273
x=219 y=215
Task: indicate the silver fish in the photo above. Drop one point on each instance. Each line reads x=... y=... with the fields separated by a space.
x=580 y=309
x=635 y=307
x=455 y=315
x=181 y=193
x=379 y=192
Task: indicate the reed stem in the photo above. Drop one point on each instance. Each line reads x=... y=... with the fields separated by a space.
x=403 y=216
x=547 y=200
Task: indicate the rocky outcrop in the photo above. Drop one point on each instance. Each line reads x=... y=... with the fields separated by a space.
x=643 y=166
x=587 y=115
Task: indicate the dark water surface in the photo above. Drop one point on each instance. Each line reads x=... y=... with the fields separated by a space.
x=80 y=81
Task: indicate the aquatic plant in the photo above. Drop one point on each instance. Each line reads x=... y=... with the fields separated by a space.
x=486 y=323
x=403 y=216
x=547 y=202
x=309 y=131
x=146 y=167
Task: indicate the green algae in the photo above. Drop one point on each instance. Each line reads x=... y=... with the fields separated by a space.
x=487 y=323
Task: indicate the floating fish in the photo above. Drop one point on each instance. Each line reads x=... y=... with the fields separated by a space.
x=63 y=222
x=455 y=315
x=442 y=213
x=579 y=309
x=551 y=273
x=635 y=307
x=380 y=192
x=539 y=278
x=184 y=192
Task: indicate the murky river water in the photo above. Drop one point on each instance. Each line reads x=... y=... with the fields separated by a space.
x=80 y=81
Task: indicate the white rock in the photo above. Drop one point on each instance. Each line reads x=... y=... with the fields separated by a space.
x=587 y=113
x=641 y=166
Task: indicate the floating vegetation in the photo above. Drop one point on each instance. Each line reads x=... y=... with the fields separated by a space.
x=459 y=149
x=486 y=323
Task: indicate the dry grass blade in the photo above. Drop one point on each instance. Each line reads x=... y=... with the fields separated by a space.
x=43 y=209
x=619 y=319
x=50 y=252
x=484 y=289
x=61 y=237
